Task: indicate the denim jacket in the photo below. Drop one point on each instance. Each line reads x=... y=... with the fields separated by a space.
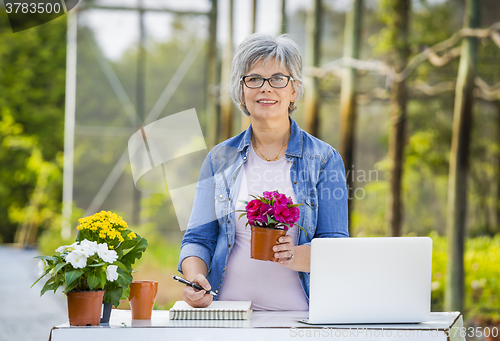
x=318 y=180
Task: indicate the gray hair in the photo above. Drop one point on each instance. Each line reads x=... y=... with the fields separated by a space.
x=257 y=47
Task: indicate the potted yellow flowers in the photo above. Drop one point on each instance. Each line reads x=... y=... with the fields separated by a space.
x=98 y=264
x=112 y=230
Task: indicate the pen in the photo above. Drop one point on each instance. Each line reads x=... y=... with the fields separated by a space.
x=194 y=285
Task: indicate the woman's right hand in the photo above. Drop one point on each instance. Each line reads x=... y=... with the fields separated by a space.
x=195 y=298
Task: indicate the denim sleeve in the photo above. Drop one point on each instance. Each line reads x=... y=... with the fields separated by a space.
x=332 y=198
x=200 y=238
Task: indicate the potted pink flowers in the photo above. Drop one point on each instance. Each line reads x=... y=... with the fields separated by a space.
x=270 y=216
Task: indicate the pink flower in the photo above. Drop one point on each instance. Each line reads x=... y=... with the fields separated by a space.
x=265 y=210
x=251 y=218
x=253 y=206
x=268 y=195
x=281 y=199
x=281 y=213
x=253 y=210
x=274 y=205
x=295 y=215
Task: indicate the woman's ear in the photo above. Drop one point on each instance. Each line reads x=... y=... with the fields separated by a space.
x=242 y=92
x=294 y=92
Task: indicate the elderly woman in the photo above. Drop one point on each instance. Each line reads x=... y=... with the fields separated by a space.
x=272 y=154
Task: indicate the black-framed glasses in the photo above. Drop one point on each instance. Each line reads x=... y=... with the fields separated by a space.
x=255 y=82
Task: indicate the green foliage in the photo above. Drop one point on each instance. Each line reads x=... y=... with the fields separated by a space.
x=392 y=41
x=32 y=74
x=431 y=23
x=484 y=170
x=134 y=252
x=482 y=276
x=368 y=218
x=67 y=273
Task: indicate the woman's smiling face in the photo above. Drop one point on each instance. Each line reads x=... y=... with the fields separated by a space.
x=267 y=102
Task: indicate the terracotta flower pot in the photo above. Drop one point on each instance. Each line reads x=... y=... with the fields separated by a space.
x=84 y=307
x=262 y=242
x=142 y=299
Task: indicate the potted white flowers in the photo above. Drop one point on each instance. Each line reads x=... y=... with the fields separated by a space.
x=109 y=228
x=82 y=269
x=98 y=264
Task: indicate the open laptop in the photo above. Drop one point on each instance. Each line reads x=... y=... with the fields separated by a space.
x=370 y=280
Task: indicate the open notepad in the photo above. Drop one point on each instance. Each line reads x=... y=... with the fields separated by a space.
x=217 y=310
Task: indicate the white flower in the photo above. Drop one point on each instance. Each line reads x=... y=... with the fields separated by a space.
x=76 y=259
x=86 y=247
x=109 y=256
x=89 y=244
x=66 y=248
x=111 y=274
x=62 y=248
x=41 y=267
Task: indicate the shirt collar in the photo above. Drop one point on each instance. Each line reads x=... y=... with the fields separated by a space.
x=294 y=144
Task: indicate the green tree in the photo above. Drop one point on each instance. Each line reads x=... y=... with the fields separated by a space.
x=459 y=158
x=32 y=81
x=396 y=15
x=312 y=58
x=348 y=110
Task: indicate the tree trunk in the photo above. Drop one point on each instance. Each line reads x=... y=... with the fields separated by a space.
x=211 y=99
x=311 y=98
x=245 y=120
x=226 y=123
x=397 y=129
x=457 y=183
x=283 y=17
x=347 y=95
x=497 y=202
x=254 y=16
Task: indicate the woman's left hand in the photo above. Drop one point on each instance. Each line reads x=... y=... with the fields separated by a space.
x=297 y=258
x=284 y=251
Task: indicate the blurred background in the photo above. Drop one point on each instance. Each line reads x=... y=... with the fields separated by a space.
x=408 y=91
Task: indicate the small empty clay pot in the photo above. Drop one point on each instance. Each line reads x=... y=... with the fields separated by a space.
x=142 y=299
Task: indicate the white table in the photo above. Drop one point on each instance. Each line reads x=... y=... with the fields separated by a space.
x=264 y=325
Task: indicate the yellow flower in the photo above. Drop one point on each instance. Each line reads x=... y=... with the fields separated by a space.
x=106 y=225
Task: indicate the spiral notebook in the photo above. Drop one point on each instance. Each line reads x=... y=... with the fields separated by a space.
x=217 y=310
